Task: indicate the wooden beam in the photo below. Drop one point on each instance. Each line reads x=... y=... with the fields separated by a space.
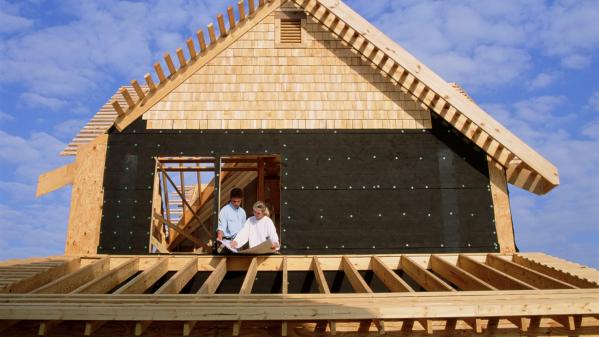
x=221 y=26
x=423 y=277
x=231 y=17
x=323 y=286
x=246 y=288
x=492 y=276
x=167 y=204
x=209 y=287
x=181 y=57
x=110 y=279
x=241 y=9
x=145 y=279
x=127 y=97
x=159 y=72
x=251 y=6
x=284 y=291
x=138 y=90
x=555 y=273
x=201 y=40
x=389 y=278
x=260 y=193
x=72 y=281
x=524 y=274
x=180 y=279
x=501 y=207
x=169 y=64
x=150 y=82
x=461 y=278
x=117 y=107
x=191 y=48
x=55 y=179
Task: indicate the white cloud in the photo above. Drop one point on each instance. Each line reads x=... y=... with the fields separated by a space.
x=33 y=100
x=542 y=80
x=11 y=23
x=4 y=117
x=593 y=102
x=68 y=128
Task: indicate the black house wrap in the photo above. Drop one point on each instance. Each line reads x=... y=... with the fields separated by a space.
x=349 y=191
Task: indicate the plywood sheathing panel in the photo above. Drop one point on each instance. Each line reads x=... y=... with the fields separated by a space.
x=253 y=85
x=87 y=198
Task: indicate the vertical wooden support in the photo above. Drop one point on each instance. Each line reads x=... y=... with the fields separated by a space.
x=165 y=196
x=181 y=57
x=169 y=64
x=159 y=72
x=140 y=93
x=211 y=33
x=261 y=3
x=231 y=17
x=221 y=25
x=184 y=202
x=216 y=191
x=501 y=207
x=260 y=179
x=117 y=107
x=191 y=48
x=87 y=198
x=201 y=40
x=150 y=82
x=241 y=9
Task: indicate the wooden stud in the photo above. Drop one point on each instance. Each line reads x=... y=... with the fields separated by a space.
x=211 y=34
x=231 y=16
x=427 y=325
x=150 y=82
x=221 y=25
x=127 y=97
x=501 y=207
x=284 y=291
x=491 y=276
x=461 y=278
x=183 y=195
x=567 y=321
x=201 y=40
x=209 y=287
x=170 y=65
x=524 y=274
x=46 y=327
x=475 y=323
x=138 y=90
x=241 y=9
x=423 y=277
x=181 y=57
x=92 y=326
x=250 y=277
x=191 y=48
x=389 y=278
x=354 y=277
x=72 y=281
x=141 y=327
x=166 y=200
x=261 y=3
x=159 y=72
x=323 y=286
x=251 y=6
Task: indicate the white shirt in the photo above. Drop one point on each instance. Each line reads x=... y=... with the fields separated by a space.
x=257 y=231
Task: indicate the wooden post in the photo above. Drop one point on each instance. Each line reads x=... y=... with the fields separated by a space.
x=159 y=72
x=184 y=193
x=201 y=40
x=150 y=81
x=501 y=207
x=211 y=33
x=140 y=93
x=251 y=6
x=191 y=48
x=181 y=57
x=221 y=25
x=127 y=97
x=260 y=179
x=241 y=8
x=231 y=16
x=170 y=64
x=117 y=107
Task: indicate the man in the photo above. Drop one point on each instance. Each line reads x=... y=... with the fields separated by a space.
x=231 y=217
x=257 y=229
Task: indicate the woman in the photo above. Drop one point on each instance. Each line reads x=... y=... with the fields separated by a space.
x=257 y=229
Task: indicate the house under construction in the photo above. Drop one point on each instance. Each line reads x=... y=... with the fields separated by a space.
x=387 y=186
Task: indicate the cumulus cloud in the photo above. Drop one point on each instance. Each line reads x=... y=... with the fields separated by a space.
x=593 y=102
x=12 y=23
x=4 y=117
x=542 y=80
x=33 y=100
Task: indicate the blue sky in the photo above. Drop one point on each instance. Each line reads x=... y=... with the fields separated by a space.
x=534 y=65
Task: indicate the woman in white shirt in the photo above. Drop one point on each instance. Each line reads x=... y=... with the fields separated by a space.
x=257 y=229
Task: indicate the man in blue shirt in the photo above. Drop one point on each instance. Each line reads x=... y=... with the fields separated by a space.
x=231 y=217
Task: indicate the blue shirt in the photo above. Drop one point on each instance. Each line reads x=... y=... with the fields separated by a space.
x=231 y=220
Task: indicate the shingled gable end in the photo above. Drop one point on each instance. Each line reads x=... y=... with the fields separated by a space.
x=386 y=184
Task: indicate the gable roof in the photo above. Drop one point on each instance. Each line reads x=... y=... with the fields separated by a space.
x=525 y=167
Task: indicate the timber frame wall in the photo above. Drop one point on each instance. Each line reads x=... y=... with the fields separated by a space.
x=445 y=294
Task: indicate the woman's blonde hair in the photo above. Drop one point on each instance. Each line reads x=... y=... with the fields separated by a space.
x=259 y=205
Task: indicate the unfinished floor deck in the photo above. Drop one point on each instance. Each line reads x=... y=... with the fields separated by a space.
x=413 y=294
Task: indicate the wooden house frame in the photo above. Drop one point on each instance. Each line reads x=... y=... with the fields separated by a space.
x=495 y=291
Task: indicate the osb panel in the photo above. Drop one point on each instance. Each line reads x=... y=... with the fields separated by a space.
x=83 y=233
x=325 y=84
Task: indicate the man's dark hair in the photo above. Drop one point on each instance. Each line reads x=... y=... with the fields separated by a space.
x=236 y=193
